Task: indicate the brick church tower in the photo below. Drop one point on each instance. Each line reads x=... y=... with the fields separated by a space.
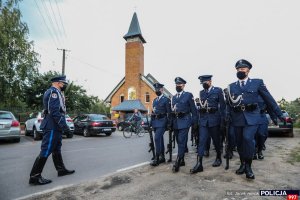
x=134 y=59
x=135 y=90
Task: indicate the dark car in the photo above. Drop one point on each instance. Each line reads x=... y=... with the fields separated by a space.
x=124 y=123
x=285 y=127
x=93 y=124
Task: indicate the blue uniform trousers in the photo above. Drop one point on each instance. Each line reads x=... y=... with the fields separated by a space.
x=231 y=138
x=51 y=142
x=204 y=133
x=182 y=138
x=261 y=135
x=245 y=138
x=159 y=140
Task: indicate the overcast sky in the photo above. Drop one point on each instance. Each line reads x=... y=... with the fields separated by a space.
x=184 y=38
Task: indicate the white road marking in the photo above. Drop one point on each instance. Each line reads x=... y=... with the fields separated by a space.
x=133 y=166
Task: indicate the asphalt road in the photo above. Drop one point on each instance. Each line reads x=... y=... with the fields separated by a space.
x=91 y=157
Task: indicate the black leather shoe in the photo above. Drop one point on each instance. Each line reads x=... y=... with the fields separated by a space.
x=255 y=157
x=65 y=172
x=229 y=153
x=248 y=170
x=182 y=163
x=176 y=166
x=206 y=153
x=241 y=170
x=217 y=162
x=38 y=180
x=260 y=155
x=198 y=167
x=161 y=159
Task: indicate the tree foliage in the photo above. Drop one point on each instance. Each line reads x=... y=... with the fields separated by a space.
x=18 y=60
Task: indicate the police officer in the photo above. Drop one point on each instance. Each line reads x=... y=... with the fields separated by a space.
x=245 y=113
x=212 y=112
x=53 y=124
x=184 y=114
x=160 y=122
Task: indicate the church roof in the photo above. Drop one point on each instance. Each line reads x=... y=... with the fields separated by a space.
x=134 y=29
x=149 y=80
x=130 y=105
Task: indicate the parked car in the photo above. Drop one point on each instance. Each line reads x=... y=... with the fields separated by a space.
x=93 y=124
x=9 y=127
x=285 y=127
x=32 y=126
x=124 y=123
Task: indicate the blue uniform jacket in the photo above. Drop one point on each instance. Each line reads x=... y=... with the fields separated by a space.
x=213 y=99
x=250 y=95
x=184 y=104
x=54 y=105
x=161 y=106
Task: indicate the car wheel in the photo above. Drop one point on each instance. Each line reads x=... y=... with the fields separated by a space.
x=291 y=134
x=108 y=134
x=36 y=135
x=86 y=132
x=17 y=140
x=26 y=131
x=120 y=128
x=70 y=135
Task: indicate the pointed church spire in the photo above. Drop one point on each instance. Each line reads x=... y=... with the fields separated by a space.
x=134 y=29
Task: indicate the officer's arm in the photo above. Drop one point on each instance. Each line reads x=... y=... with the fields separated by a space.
x=54 y=110
x=193 y=109
x=222 y=104
x=269 y=100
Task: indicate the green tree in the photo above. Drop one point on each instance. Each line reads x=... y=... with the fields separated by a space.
x=18 y=60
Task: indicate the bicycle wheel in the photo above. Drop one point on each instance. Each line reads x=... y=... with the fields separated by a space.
x=127 y=133
x=141 y=132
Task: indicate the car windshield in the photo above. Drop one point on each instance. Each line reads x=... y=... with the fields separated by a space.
x=98 y=117
x=5 y=115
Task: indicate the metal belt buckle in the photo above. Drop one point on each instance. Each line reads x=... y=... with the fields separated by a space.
x=243 y=108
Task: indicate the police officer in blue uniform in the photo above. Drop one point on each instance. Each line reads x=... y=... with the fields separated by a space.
x=53 y=124
x=160 y=122
x=184 y=115
x=212 y=112
x=245 y=113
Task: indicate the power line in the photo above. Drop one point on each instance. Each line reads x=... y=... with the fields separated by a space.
x=49 y=30
x=50 y=20
x=54 y=16
x=61 y=21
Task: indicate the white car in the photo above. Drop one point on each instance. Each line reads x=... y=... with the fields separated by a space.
x=32 y=126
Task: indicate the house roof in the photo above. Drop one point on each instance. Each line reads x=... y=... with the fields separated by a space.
x=134 y=29
x=130 y=105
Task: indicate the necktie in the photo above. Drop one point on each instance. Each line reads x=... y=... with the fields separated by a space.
x=178 y=95
x=242 y=84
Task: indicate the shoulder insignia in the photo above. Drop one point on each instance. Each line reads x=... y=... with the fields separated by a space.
x=54 y=95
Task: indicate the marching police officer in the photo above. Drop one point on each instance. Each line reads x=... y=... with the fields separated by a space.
x=245 y=113
x=184 y=116
x=160 y=122
x=53 y=124
x=212 y=112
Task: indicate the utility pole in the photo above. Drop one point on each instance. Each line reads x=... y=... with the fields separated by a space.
x=63 y=60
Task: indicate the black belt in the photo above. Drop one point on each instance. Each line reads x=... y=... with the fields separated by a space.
x=208 y=110
x=158 y=116
x=179 y=114
x=242 y=108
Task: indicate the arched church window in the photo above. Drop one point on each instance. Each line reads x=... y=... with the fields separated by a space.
x=131 y=93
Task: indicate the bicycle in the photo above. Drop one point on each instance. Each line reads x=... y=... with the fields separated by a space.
x=131 y=128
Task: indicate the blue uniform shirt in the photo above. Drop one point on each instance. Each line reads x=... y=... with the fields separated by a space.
x=54 y=104
x=213 y=99
x=184 y=104
x=161 y=108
